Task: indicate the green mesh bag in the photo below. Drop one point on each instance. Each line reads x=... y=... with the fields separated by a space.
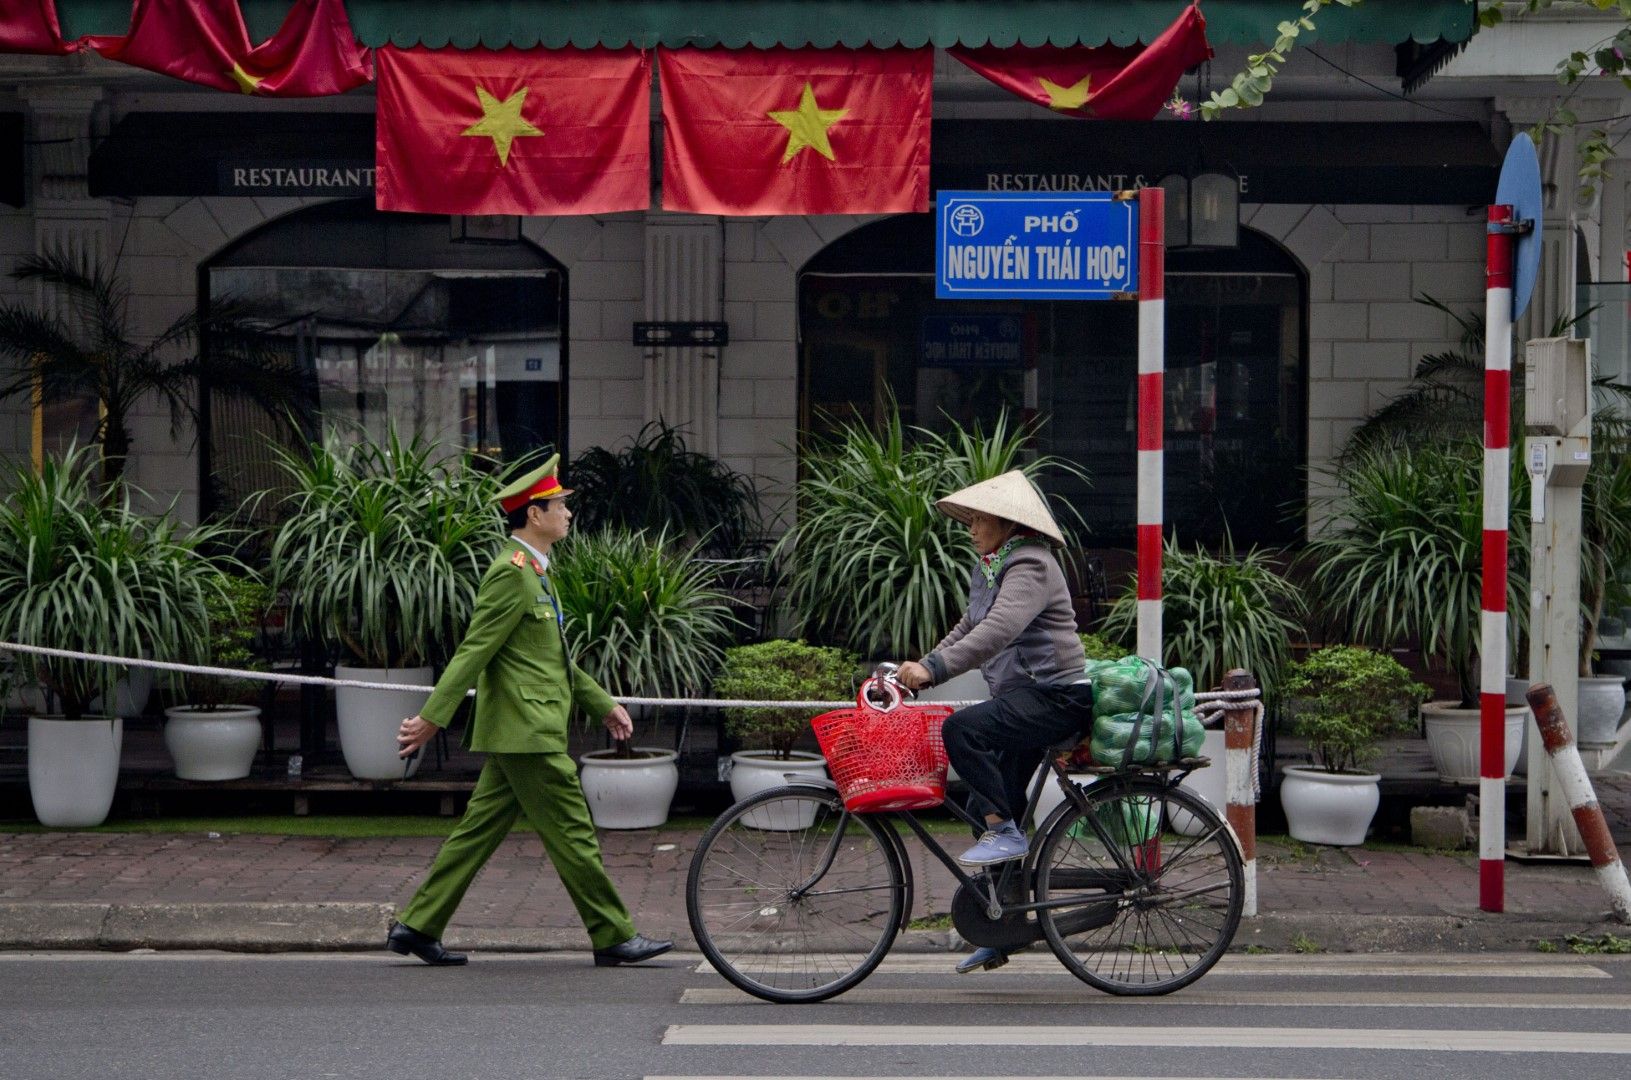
x=1143 y=714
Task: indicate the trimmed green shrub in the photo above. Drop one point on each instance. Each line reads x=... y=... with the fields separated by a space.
x=1348 y=699
x=782 y=671
x=234 y=623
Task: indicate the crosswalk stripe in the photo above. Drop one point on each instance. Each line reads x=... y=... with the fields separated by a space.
x=1212 y=1038
x=1080 y=993
x=875 y=1076
x=1518 y=966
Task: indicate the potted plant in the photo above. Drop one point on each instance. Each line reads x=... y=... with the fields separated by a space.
x=216 y=734
x=659 y=485
x=380 y=550
x=1402 y=561
x=1347 y=699
x=644 y=619
x=80 y=570
x=874 y=566
x=1220 y=612
x=779 y=671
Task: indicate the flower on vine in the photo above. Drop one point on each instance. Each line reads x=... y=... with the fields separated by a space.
x=1183 y=110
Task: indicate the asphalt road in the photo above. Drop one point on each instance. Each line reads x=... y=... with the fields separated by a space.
x=224 y=1017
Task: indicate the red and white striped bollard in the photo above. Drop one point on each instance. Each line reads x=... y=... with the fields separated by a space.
x=1152 y=262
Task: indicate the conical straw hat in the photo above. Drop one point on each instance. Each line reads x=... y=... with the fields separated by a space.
x=1010 y=496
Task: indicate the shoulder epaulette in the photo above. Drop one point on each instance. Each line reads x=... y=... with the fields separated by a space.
x=518 y=558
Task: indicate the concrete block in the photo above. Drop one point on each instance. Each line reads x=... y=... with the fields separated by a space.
x=1372 y=281
x=739 y=236
x=775 y=320
x=570 y=239
x=832 y=226
x=235 y=216
x=1458 y=283
x=52 y=925
x=583 y=321
x=1444 y=827
x=1319 y=360
x=602 y=279
x=1337 y=398
x=247 y=926
x=792 y=239
x=1409 y=243
x=1338 y=322
x=1466 y=242
x=1371 y=360
x=1407 y=321
x=1278 y=219
x=775 y=397
x=623 y=239
x=736 y=397
x=617 y=319
x=1368 y=214
x=1318 y=237
x=1322 y=282
x=757 y=281
x=623 y=397
x=757 y=360
x=739 y=314
x=583 y=401
x=195 y=226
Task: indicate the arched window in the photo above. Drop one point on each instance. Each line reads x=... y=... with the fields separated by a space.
x=395 y=323
x=870 y=328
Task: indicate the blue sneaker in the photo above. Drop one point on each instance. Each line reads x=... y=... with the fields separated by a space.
x=1002 y=844
x=982 y=959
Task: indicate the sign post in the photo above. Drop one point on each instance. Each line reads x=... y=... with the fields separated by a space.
x=1519 y=187
x=1085 y=245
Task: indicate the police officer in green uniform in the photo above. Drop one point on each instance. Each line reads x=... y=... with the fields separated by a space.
x=526 y=687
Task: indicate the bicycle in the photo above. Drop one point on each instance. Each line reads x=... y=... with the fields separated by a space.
x=1135 y=883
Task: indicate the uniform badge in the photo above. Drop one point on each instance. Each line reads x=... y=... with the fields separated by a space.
x=537 y=567
x=518 y=559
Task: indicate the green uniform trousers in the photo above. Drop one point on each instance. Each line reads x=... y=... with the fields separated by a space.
x=545 y=788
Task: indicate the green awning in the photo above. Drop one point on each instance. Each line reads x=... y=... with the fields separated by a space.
x=826 y=23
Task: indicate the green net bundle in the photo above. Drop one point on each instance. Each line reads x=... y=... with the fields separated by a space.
x=1121 y=690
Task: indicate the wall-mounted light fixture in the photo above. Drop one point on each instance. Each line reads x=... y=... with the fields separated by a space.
x=1202 y=211
x=681 y=335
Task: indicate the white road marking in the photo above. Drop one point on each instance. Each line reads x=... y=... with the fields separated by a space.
x=1082 y=994
x=1210 y=1038
x=1446 y=965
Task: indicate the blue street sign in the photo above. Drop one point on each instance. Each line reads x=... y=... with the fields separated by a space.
x=1007 y=245
x=1519 y=188
x=972 y=341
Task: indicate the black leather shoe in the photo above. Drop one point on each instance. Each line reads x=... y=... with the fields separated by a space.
x=632 y=951
x=405 y=940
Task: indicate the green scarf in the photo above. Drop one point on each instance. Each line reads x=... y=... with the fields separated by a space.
x=991 y=565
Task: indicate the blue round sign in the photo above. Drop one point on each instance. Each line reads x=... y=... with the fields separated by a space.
x=1519 y=188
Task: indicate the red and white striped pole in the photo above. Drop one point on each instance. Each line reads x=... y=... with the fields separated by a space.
x=1240 y=720
x=1492 y=619
x=1152 y=292
x=1588 y=815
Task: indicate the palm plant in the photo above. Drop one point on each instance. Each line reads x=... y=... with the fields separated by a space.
x=657 y=483
x=1219 y=612
x=875 y=567
x=1403 y=557
x=96 y=354
x=82 y=572
x=643 y=618
x=383 y=545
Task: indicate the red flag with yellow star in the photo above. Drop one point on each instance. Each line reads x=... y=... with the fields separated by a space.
x=314 y=52
x=1112 y=82
x=795 y=131
x=513 y=131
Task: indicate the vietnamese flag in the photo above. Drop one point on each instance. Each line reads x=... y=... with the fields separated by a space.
x=796 y=131
x=513 y=131
x=314 y=52
x=30 y=26
x=1112 y=82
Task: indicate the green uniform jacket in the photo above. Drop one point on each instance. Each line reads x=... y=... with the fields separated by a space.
x=514 y=654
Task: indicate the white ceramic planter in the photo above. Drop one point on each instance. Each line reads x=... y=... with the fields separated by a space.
x=130 y=693
x=73 y=769
x=1453 y=740
x=1209 y=783
x=369 y=719
x=629 y=793
x=753 y=771
x=212 y=744
x=1329 y=808
x=1602 y=702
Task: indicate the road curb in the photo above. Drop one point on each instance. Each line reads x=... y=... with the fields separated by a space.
x=328 y=927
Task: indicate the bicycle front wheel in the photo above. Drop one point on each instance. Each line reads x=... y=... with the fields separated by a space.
x=791 y=898
x=1139 y=908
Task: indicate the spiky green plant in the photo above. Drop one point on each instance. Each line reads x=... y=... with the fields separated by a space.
x=874 y=566
x=85 y=572
x=658 y=483
x=1219 y=612
x=1402 y=560
x=644 y=619
x=382 y=545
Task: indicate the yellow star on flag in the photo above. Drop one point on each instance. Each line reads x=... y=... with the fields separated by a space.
x=807 y=126
x=501 y=121
x=246 y=82
x=1067 y=97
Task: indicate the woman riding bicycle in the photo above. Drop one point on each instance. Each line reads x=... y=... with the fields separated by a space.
x=1020 y=631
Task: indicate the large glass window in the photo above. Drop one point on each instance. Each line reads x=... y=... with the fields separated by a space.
x=870 y=327
x=395 y=325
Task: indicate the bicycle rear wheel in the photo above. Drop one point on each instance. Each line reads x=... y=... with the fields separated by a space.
x=792 y=899
x=1143 y=909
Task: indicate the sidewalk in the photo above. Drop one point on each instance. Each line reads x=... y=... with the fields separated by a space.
x=126 y=890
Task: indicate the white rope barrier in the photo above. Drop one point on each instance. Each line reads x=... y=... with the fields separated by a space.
x=1218 y=696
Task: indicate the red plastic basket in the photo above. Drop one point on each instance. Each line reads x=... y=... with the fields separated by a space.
x=889 y=758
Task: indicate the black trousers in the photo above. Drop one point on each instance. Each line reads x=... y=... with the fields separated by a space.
x=995 y=746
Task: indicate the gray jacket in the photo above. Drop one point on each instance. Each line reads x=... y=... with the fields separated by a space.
x=1019 y=631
